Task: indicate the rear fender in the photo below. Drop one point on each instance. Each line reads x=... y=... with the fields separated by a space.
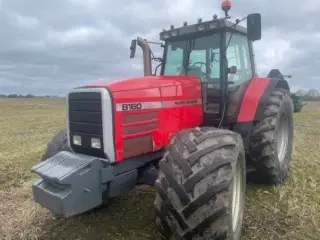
x=254 y=102
x=276 y=75
x=272 y=85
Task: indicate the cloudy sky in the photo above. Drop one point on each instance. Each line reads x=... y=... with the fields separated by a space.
x=50 y=46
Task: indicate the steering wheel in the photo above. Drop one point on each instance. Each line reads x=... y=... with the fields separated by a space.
x=242 y=73
x=201 y=63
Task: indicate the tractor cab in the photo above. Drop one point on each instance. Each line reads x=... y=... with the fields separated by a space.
x=219 y=52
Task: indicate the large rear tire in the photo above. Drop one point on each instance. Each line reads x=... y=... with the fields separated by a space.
x=201 y=186
x=58 y=143
x=272 y=140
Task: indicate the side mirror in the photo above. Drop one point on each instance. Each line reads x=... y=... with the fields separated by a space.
x=133 y=48
x=254 y=26
x=232 y=70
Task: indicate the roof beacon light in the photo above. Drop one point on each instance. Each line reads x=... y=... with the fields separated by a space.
x=226 y=6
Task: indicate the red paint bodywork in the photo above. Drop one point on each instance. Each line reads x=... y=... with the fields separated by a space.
x=169 y=120
x=251 y=98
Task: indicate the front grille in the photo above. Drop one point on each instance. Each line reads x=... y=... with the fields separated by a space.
x=85 y=120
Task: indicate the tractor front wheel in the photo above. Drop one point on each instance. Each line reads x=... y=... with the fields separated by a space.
x=201 y=185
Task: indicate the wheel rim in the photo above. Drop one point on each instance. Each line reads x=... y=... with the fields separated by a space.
x=282 y=137
x=237 y=195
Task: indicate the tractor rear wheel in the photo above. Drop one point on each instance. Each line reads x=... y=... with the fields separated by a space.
x=272 y=140
x=201 y=185
x=58 y=143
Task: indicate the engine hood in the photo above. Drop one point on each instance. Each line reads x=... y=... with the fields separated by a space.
x=146 y=82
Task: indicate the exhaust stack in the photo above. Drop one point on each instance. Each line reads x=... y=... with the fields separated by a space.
x=147 y=66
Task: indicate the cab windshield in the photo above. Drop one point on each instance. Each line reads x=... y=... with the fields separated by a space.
x=199 y=57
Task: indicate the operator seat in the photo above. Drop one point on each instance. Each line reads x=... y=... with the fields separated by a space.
x=193 y=71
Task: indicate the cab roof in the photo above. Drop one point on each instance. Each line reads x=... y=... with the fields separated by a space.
x=201 y=27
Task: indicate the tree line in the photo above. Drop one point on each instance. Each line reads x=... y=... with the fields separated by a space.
x=308 y=95
x=305 y=95
x=26 y=96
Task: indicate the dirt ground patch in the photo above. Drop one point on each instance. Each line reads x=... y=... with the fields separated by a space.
x=287 y=211
x=313 y=104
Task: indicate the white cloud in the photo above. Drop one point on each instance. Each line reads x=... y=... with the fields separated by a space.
x=141 y=13
x=317 y=35
x=294 y=88
x=272 y=51
x=4 y=82
x=23 y=21
x=86 y=35
x=73 y=36
x=310 y=6
x=91 y=4
x=181 y=8
x=93 y=36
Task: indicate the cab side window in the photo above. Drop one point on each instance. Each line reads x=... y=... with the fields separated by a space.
x=198 y=58
x=174 y=61
x=238 y=55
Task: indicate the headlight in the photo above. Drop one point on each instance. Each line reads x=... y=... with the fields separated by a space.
x=213 y=25
x=201 y=27
x=76 y=140
x=166 y=35
x=174 y=33
x=95 y=143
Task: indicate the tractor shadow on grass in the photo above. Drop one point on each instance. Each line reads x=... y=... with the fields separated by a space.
x=130 y=216
x=267 y=211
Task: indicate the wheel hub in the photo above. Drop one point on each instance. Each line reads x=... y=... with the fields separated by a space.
x=238 y=186
x=282 y=137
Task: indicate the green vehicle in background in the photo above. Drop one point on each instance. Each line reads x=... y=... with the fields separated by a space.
x=297 y=103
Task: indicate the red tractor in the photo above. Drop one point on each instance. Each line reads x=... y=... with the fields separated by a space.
x=194 y=131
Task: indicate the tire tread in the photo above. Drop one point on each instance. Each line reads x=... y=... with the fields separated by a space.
x=262 y=151
x=57 y=144
x=180 y=214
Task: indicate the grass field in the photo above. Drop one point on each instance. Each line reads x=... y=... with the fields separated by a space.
x=287 y=211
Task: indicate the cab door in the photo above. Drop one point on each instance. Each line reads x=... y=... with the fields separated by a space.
x=238 y=54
